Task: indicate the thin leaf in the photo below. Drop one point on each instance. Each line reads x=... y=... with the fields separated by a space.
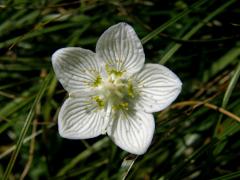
x=233 y=175
x=26 y=126
x=127 y=165
x=83 y=155
x=228 y=93
x=194 y=30
x=172 y=21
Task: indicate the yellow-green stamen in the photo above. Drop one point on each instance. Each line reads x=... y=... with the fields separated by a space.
x=97 y=81
x=111 y=71
x=130 y=89
x=99 y=101
x=122 y=106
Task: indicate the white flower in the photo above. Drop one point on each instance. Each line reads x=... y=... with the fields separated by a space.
x=112 y=91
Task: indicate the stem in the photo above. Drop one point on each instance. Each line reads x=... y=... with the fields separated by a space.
x=208 y=105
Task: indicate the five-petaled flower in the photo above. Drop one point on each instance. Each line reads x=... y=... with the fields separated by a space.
x=112 y=91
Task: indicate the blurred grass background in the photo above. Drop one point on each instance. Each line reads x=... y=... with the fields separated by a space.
x=195 y=138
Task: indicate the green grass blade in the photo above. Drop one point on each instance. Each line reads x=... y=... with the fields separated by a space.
x=231 y=86
x=14 y=106
x=37 y=33
x=194 y=30
x=94 y=148
x=227 y=95
x=26 y=126
x=222 y=63
x=27 y=139
x=127 y=164
x=229 y=176
x=171 y=21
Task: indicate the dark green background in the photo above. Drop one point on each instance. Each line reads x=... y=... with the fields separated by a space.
x=198 y=40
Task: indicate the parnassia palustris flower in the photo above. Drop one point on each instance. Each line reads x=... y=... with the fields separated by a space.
x=111 y=91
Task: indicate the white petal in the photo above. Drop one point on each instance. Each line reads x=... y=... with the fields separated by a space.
x=157 y=87
x=121 y=49
x=133 y=131
x=76 y=68
x=80 y=118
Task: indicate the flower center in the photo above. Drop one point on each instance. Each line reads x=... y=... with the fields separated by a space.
x=116 y=92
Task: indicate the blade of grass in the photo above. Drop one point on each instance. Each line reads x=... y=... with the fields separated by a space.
x=127 y=165
x=172 y=21
x=37 y=33
x=197 y=153
x=6 y=86
x=83 y=155
x=31 y=152
x=7 y=24
x=233 y=175
x=13 y=106
x=80 y=171
x=27 y=139
x=227 y=95
x=179 y=168
x=26 y=126
x=194 y=30
x=225 y=60
x=210 y=106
